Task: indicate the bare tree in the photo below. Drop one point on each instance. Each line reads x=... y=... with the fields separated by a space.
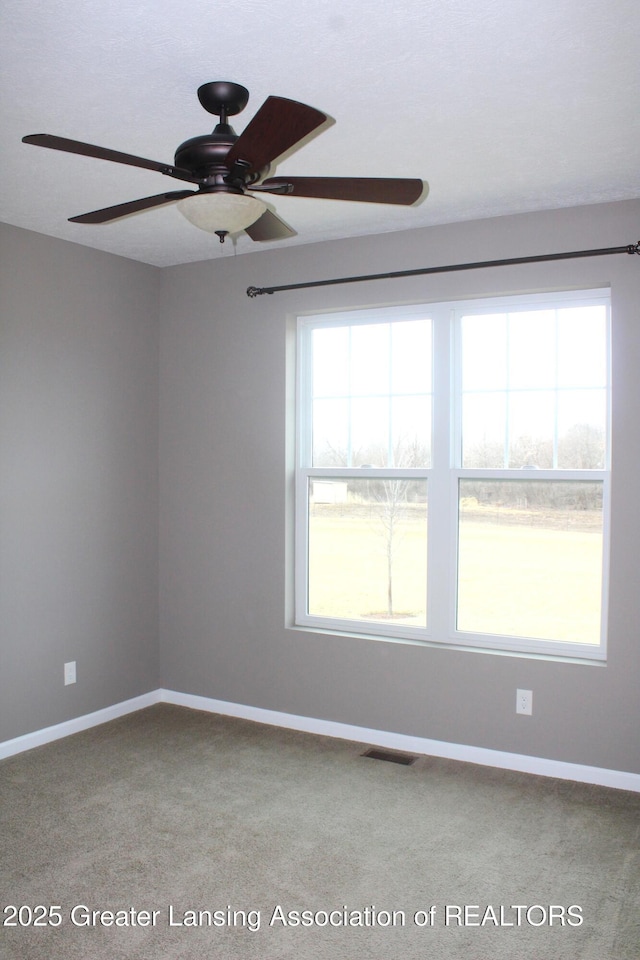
x=391 y=496
x=582 y=447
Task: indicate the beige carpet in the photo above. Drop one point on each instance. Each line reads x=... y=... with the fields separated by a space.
x=176 y=835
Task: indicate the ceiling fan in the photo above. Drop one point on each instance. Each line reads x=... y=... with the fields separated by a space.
x=228 y=169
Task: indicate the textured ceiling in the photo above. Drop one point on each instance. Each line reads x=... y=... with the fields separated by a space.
x=503 y=106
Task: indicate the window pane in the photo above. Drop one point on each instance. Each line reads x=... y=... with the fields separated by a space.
x=371 y=388
x=530 y=559
x=484 y=354
x=531 y=429
x=370 y=432
x=532 y=348
x=411 y=362
x=330 y=433
x=411 y=431
x=330 y=353
x=368 y=550
x=534 y=379
x=582 y=346
x=581 y=429
x=484 y=418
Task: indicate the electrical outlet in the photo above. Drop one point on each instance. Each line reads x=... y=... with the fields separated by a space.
x=524 y=702
x=70 y=672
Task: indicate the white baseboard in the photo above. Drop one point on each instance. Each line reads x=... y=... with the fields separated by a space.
x=619 y=779
x=60 y=730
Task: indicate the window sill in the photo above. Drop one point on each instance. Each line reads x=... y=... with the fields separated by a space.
x=452 y=645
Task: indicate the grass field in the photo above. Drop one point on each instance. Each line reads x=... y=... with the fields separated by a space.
x=540 y=578
x=348 y=568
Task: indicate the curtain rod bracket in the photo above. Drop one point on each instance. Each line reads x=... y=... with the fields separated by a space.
x=631 y=248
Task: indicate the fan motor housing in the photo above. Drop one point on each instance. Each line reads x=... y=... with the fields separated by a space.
x=205 y=157
x=200 y=154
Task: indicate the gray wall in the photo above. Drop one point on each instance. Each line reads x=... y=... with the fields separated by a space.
x=78 y=479
x=225 y=490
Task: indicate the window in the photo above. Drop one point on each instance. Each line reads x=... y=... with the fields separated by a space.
x=452 y=473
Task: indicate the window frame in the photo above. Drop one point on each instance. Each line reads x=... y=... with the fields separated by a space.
x=442 y=476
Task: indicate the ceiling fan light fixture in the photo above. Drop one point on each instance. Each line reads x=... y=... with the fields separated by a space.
x=221 y=213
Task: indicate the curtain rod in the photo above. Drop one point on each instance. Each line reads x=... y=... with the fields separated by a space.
x=604 y=251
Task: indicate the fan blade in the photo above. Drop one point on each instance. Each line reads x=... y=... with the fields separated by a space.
x=366 y=190
x=269 y=227
x=277 y=126
x=103 y=153
x=132 y=206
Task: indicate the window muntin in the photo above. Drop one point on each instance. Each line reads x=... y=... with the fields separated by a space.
x=513 y=402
